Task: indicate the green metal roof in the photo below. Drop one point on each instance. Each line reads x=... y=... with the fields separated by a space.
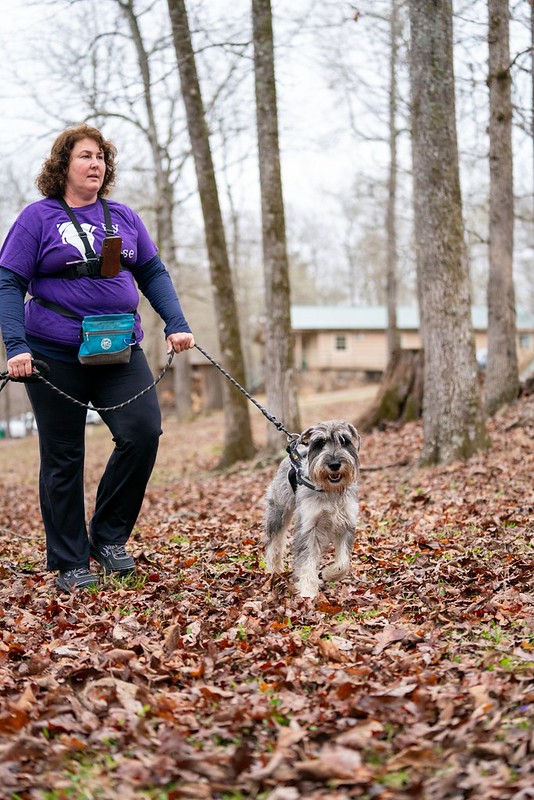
x=374 y=318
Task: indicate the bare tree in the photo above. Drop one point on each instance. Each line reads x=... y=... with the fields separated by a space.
x=393 y=337
x=453 y=422
x=279 y=349
x=532 y=79
x=164 y=203
x=5 y=394
x=237 y=433
x=502 y=376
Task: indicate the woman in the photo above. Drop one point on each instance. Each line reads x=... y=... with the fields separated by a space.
x=51 y=253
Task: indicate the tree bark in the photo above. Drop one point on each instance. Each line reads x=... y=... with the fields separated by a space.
x=182 y=385
x=532 y=84
x=453 y=422
x=279 y=346
x=502 y=373
x=400 y=397
x=164 y=210
x=238 y=443
x=393 y=337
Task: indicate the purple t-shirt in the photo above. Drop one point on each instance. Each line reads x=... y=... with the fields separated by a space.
x=43 y=239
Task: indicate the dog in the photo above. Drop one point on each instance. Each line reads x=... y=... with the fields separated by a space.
x=324 y=503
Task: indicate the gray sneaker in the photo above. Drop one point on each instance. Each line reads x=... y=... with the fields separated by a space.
x=80 y=578
x=113 y=557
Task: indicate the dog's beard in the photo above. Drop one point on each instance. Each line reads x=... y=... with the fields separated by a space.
x=332 y=480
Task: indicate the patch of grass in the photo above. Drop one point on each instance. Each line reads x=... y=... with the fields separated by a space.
x=27 y=565
x=510 y=664
x=198 y=744
x=374 y=758
x=493 y=633
x=180 y=539
x=136 y=581
x=345 y=616
x=397 y=780
x=248 y=559
x=83 y=776
x=123 y=611
x=240 y=796
x=371 y=613
x=304 y=632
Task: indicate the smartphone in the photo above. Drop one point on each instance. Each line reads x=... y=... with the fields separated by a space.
x=111 y=256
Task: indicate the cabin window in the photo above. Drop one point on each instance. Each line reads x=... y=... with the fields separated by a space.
x=341 y=342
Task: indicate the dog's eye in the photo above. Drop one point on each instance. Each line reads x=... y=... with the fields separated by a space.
x=319 y=443
x=345 y=441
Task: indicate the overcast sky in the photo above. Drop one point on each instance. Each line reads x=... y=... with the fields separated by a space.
x=316 y=145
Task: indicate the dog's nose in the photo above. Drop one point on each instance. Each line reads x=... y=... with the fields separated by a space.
x=334 y=466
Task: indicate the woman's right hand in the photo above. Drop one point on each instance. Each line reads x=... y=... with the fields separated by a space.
x=20 y=366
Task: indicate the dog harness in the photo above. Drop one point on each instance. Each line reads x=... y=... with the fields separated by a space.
x=294 y=475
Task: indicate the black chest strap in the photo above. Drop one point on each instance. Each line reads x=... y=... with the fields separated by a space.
x=292 y=478
x=90 y=268
x=89 y=252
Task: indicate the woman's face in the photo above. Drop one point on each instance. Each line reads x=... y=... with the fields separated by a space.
x=87 y=169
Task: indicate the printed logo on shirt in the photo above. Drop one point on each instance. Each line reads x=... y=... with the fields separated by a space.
x=114 y=228
x=69 y=235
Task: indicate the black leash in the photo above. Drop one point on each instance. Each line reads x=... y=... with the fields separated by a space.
x=277 y=424
x=41 y=367
x=295 y=475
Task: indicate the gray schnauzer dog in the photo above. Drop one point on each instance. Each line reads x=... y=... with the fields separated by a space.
x=325 y=504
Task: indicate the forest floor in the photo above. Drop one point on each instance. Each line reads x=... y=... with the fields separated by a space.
x=202 y=679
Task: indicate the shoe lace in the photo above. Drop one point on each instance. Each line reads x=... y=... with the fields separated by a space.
x=78 y=572
x=116 y=550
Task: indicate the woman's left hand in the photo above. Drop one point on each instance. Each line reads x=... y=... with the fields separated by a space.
x=179 y=342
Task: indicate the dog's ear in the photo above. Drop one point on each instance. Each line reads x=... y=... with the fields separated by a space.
x=355 y=435
x=305 y=437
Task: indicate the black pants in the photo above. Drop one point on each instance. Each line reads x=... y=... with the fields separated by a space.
x=136 y=429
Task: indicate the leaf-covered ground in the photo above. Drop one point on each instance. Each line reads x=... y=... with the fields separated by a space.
x=203 y=679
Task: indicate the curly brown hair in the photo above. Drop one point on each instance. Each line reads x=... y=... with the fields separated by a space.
x=52 y=179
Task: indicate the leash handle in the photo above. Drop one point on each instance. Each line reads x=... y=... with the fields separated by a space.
x=39 y=367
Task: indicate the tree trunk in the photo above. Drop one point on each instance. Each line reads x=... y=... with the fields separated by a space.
x=453 y=422
x=182 y=384
x=502 y=374
x=237 y=432
x=6 y=394
x=280 y=376
x=164 y=208
x=212 y=398
x=400 y=397
x=393 y=337
x=532 y=84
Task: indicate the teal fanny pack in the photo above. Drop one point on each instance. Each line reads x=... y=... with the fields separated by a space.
x=106 y=339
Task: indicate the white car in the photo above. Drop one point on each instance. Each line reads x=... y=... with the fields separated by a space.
x=93 y=417
x=17 y=428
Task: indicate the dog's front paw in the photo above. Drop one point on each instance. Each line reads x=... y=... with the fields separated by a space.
x=274 y=566
x=335 y=572
x=274 y=559
x=308 y=588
